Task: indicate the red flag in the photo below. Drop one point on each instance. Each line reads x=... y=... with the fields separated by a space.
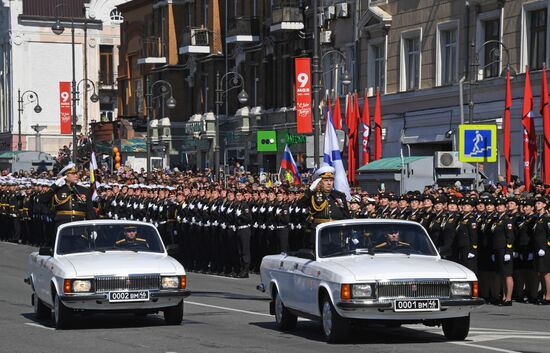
x=377 y=127
x=507 y=107
x=351 y=122
x=545 y=112
x=366 y=131
x=529 y=134
x=337 y=114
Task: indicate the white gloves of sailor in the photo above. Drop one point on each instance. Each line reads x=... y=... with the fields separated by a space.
x=530 y=256
x=493 y=257
x=507 y=257
x=515 y=255
x=61 y=181
x=272 y=227
x=314 y=185
x=541 y=253
x=471 y=256
x=238 y=212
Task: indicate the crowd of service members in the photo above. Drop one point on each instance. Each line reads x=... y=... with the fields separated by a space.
x=227 y=229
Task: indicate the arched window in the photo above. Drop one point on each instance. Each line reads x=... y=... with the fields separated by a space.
x=116 y=16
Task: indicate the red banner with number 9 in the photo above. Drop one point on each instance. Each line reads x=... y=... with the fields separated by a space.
x=65 y=107
x=303 y=95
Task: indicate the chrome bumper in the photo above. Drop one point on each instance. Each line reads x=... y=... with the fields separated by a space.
x=72 y=298
x=388 y=305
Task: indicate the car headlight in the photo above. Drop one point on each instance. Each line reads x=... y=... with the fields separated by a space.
x=82 y=285
x=171 y=282
x=461 y=288
x=362 y=290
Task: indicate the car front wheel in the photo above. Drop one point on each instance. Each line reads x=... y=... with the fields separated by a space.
x=286 y=321
x=63 y=316
x=174 y=315
x=335 y=327
x=456 y=329
x=41 y=311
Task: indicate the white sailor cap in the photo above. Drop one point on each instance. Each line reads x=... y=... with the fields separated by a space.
x=325 y=172
x=70 y=168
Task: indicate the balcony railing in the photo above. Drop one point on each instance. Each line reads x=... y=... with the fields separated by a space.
x=243 y=29
x=286 y=15
x=153 y=51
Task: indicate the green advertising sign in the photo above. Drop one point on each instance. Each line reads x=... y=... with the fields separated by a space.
x=267 y=141
x=294 y=139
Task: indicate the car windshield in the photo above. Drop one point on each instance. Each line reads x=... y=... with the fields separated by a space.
x=373 y=239
x=108 y=237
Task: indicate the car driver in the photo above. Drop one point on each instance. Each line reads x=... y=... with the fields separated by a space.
x=131 y=239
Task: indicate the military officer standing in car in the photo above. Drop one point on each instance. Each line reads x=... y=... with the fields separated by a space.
x=69 y=201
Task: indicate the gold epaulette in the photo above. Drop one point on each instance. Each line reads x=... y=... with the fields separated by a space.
x=318 y=208
x=120 y=241
x=141 y=239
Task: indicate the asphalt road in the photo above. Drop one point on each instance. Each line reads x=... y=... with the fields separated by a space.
x=229 y=315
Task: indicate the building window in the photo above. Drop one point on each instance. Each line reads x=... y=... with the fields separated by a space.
x=491 y=51
x=449 y=56
x=379 y=67
x=106 y=76
x=537 y=45
x=412 y=63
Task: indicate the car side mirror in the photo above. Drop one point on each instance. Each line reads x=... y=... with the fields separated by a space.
x=45 y=251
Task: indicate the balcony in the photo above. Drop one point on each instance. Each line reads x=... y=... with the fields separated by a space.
x=286 y=16
x=152 y=51
x=196 y=41
x=243 y=30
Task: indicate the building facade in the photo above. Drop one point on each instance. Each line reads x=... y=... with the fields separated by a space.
x=423 y=55
x=33 y=58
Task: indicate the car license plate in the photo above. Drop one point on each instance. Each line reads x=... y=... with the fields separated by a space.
x=401 y=305
x=129 y=296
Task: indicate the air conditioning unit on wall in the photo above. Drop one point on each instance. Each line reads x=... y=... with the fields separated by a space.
x=447 y=159
x=342 y=10
x=325 y=37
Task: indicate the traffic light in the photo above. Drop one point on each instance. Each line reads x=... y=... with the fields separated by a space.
x=117 y=157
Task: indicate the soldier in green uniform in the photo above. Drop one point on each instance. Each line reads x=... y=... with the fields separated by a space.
x=131 y=239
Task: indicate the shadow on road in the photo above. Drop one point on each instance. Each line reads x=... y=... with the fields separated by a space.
x=371 y=334
x=228 y=295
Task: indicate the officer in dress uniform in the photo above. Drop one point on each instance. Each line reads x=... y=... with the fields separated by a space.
x=467 y=236
x=502 y=248
x=324 y=202
x=243 y=218
x=435 y=228
x=131 y=240
x=447 y=240
x=69 y=201
x=524 y=268
x=542 y=247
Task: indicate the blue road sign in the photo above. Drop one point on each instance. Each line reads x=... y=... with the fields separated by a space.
x=477 y=143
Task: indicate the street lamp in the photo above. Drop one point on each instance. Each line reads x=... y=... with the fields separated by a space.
x=165 y=89
x=236 y=81
x=346 y=78
x=94 y=98
x=31 y=97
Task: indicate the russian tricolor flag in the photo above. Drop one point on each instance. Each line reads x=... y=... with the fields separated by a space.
x=288 y=163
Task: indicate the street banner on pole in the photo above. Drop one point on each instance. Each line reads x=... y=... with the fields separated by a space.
x=65 y=107
x=477 y=143
x=303 y=96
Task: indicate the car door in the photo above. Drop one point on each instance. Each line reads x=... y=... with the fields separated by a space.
x=306 y=282
x=283 y=274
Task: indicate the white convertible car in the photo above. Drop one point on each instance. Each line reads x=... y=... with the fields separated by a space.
x=377 y=271
x=106 y=266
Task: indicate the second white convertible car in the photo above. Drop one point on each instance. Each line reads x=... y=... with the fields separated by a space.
x=379 y=271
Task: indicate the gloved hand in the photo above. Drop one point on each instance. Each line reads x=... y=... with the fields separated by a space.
x=515 y=255
x=471 y=256
x=61 y=181
x=530 y=257
x=541 y=253
x=271 y=227
x=110 y=214
x=278 y=211
x=238 y=212
x=314 y=185
x=493 y=257
x=116 y=217
x=507 y=257
x=255 y=225
x=234 y=228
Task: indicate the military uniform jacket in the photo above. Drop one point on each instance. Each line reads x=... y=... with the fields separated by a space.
x=70 y=203
x=415 y=215
x=467 y=233
x=542 y=233
x=447 y=240
x=325 y=207
x=282 y=216
x=435 y=228
x=503 y=233
x=426 y=217
x=243 y=216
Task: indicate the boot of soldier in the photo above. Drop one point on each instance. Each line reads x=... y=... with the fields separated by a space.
x=232 y=273
x=244 y=272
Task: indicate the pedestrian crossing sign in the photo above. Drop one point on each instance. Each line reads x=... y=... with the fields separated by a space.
x=477 y=143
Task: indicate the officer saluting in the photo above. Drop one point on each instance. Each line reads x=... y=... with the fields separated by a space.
x=323 y=201
x=68 y=201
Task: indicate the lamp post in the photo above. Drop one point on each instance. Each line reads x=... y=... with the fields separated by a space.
x=166 y=89
x=346 y=78
x=31 y=96
x=315 y=86
x=237 y=81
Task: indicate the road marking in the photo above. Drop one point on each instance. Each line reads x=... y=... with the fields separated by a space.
x=228 y=309
x=39 y=326
x=484 y=347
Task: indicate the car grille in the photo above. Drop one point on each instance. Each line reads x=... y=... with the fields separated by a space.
x=132 y=282
x=413 y=289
